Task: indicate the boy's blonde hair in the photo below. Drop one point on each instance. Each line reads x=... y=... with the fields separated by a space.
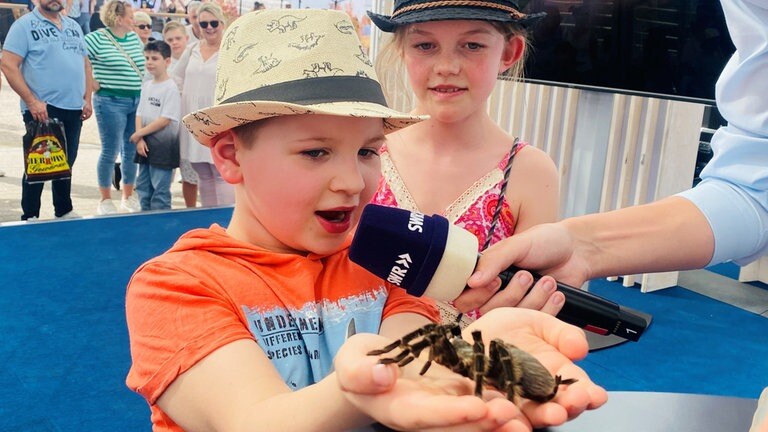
x=213 y=9
x=174 y=25
x=112 y=11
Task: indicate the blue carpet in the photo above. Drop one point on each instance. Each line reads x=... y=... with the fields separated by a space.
x=64 y=349
x=694 y=345
x=728 y=269
x=732 y=271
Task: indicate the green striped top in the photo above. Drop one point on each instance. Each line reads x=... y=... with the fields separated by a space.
x=111 y=68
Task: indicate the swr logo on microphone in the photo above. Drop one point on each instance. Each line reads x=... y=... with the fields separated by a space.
x=416 y=222
x=399 y=270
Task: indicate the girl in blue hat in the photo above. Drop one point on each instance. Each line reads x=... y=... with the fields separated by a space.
x=460 y=163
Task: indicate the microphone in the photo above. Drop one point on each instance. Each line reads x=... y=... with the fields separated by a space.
x=429 y=256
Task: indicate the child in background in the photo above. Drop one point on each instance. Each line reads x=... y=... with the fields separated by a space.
x=157 y=130
x=238 y=328
x=175 y=35
x=459 y=163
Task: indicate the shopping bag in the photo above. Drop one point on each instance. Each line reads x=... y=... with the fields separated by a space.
x=45 y=152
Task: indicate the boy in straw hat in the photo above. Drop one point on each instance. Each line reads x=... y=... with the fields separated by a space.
x=238 y=328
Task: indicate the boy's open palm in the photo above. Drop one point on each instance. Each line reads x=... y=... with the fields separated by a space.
x=439 y=400
x=442 y=400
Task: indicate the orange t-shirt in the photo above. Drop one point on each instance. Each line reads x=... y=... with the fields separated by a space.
x=210 y=290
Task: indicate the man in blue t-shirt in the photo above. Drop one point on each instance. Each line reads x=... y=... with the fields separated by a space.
x=46 y=63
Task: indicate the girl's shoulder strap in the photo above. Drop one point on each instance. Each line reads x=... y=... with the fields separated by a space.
x=513 y=151
x=516 y=146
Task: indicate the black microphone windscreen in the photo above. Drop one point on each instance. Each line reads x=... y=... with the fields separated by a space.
x=414 y=251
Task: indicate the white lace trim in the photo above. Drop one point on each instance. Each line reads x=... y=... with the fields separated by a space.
x=396 y=185
x=457 y=208
x=478 y=189
x=448 y=315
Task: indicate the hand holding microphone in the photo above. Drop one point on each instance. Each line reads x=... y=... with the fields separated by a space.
x=427 y=255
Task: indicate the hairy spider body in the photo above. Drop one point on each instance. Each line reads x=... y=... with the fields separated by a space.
x=505 y=367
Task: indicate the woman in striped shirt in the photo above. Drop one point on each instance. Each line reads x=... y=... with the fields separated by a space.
x=117 y=56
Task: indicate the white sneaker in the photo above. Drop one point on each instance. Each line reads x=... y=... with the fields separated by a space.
x=32 y=219
x=106 y=207
x=70 y=215
x=130 y=204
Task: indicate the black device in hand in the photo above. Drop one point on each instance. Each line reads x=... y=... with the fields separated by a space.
x=429 y=256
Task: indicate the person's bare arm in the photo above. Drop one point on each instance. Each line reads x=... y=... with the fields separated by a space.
x=534 y=185
x=88 y=96
x=151 y=127
x=670 y=234
x=236 y=388
x=10 y=64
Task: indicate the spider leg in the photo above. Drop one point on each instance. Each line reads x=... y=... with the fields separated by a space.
x=414 y=351
x=406 y=360
x=386 y=349
x=508 y=377
x=419 y=346
x=404 y=354
x=426 y=367
x=404 y=340
x=478 y=369
x=560 y=381
x=408 y=353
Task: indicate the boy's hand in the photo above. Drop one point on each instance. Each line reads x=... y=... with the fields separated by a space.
x=374 y=387
x=556 y=345
x=142 y=148
x=440 y=400
x=135 y=137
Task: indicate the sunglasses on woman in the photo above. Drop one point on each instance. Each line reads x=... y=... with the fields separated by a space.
x=204 y=24
x=143 y=26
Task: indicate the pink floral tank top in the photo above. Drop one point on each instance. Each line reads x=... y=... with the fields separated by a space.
x=473 y=210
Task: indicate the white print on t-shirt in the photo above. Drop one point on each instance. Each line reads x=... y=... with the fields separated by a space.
x=302 y=342
x=159 y=100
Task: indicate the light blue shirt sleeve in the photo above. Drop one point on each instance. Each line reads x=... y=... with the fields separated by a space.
x=16 y=41
x=733 y=194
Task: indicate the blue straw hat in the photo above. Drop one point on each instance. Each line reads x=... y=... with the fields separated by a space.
x=415 y=11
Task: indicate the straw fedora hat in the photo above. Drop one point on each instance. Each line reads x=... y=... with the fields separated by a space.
x=415 y=11
x=287 y=62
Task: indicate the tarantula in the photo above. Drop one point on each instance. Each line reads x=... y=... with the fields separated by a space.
x=505 y=367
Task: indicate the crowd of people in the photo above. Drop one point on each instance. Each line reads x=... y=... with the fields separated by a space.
x=104 y=53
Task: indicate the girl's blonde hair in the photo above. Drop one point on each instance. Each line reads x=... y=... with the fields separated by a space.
x=391 y=69
x=112 y=11
x=213 y=9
